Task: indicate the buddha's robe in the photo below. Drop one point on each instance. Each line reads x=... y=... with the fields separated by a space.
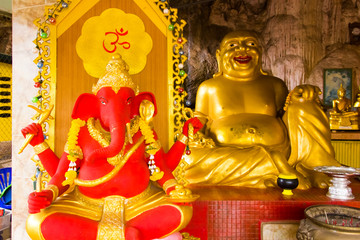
x=253 y=166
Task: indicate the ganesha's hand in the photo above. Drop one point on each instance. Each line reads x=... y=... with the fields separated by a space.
x=182 y=194
x=305 y=92
x=195 y=122
x=39 y=200
x=36 y=130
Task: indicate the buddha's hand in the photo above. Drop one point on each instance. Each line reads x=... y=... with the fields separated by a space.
x=39 y=200
x=36 y=130
x=196 y=124
x=306 y=92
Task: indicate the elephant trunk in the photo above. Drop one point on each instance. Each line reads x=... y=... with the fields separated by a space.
x=117 y=141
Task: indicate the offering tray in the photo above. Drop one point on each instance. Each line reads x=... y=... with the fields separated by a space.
x=340 y=176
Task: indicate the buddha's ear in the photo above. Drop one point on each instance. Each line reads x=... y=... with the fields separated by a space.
x=218 y=63
x=218 y=57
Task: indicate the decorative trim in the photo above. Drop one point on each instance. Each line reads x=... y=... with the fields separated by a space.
x=54 y=189
x=169 y=183
x=40 y=147
x=184 y=139
x=187 y=236
x=176 y=73
x=112 y=224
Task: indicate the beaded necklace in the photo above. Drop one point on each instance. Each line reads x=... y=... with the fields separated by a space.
x=103 y=137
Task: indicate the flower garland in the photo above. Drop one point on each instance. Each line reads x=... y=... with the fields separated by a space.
x=74 y=150
x=152 y=148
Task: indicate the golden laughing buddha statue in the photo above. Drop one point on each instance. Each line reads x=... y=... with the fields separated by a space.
x=247 y=139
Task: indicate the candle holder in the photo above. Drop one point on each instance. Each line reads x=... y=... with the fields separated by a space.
x=340 y=179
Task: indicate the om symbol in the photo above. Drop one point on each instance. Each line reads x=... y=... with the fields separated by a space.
x=125 y=45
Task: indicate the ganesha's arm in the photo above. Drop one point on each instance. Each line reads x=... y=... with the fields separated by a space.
x=173 y=156
x=57 y=180
x=167 y=162
x=48 y=158
x=160 y=159
x=190 y=128
x=167 y=182
x=35 y=134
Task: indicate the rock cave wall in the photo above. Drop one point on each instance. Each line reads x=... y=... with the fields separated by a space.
x=5 y=33
x=300 y=38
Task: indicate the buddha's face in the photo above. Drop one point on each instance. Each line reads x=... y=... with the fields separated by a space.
x=341 y=93
x=239 y=55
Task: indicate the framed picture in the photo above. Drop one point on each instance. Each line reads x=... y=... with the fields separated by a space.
x=333 y=78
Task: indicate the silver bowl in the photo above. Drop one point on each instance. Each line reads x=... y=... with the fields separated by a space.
x=340 y=176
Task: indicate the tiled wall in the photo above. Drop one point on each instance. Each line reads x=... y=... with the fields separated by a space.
x=242 y=219
x=24 y=70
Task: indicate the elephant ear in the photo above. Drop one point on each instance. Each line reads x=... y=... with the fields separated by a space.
x=86 y=106
x=139 y=99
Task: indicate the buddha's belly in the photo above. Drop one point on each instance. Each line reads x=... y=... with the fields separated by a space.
x=248 y=129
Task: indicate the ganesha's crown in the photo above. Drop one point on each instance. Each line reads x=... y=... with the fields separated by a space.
x=116 y=76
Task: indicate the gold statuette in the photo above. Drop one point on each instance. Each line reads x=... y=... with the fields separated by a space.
x=182 y=194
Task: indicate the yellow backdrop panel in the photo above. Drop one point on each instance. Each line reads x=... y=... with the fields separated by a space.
x=72 y=80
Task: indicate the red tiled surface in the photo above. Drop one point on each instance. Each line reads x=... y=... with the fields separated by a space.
x=229 y=213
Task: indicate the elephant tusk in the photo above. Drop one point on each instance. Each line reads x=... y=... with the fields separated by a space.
x=129 y=133
x=110 y=175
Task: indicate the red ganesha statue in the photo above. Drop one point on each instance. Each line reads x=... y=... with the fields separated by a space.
x=101 y=187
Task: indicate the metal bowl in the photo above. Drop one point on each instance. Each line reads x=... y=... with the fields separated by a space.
x=330 y=222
